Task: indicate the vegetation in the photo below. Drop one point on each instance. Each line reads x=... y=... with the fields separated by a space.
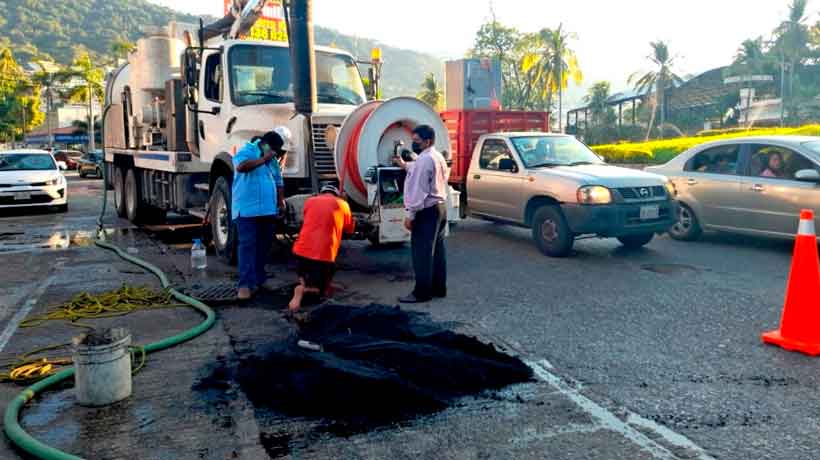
x=431 y=92
x=19 y=100
x=657 y=81
x=661 y=151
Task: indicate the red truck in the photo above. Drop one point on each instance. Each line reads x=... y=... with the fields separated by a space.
x=467 y=126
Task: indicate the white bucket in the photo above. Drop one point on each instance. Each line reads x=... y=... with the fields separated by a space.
x=454 y=205
x=102 y=373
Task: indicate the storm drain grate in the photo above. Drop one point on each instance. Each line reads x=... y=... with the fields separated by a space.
x=212 y=293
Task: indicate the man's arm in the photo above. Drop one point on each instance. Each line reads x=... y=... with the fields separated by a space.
x=250 y=165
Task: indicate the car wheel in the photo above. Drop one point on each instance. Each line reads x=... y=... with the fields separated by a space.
x=98 y=173
x=82 y=174
x=119 y=191
x=63 y=208
x=223 y=230
x=551 y=233
x=686 y=227
x=636 y=241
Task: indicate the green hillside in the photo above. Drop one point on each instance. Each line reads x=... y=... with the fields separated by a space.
x=59 y=27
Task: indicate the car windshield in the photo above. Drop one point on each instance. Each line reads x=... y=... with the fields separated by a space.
x=545 y=151
x=26 y=162
x=262 y=75
x=813 y=146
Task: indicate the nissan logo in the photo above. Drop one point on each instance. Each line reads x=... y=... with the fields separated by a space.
x=644 y=192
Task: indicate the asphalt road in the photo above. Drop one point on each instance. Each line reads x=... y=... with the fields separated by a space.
x=653 y=353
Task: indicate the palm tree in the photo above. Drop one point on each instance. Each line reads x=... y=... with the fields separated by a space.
x=749 y=60
x=47 y=78
x=596 y=99
x=659 y=80
x=120 y=49
x=555 y=64
x=792 y=38
x=431 y=92
x=83 y=69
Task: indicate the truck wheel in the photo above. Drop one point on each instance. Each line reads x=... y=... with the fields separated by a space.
x=687 y=227
x=119 y=191
x=636 y=241
x=551 y=232
x=223 y=230
x=134 y=209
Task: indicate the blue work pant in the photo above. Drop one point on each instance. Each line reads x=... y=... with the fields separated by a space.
x=255 y=240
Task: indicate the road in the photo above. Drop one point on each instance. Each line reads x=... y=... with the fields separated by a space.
x=653 y=353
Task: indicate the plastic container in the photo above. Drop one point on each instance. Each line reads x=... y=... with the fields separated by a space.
x=199 y=256
x=102 y=367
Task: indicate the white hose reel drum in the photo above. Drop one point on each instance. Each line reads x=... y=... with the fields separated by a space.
x=368 y=136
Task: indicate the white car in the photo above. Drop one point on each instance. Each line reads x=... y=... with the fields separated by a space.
x=32 y=178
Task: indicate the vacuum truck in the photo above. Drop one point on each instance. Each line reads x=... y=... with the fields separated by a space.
x=190 y=96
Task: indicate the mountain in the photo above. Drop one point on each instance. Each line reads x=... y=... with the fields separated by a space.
x=59 y=27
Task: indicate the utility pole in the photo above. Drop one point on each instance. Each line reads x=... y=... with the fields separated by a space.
x=782 y=87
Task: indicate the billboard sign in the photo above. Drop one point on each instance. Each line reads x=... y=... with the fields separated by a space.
x=271 y=23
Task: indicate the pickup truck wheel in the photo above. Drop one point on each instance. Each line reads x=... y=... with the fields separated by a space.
x=636 y=241
x=223 y=230
x=687 y=227
x=551 y=232
x=119 y=191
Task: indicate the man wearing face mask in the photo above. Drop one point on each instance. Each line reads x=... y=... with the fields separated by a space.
x=257 y=197
x=425 y=190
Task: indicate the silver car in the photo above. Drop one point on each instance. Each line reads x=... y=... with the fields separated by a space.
x=751 y=185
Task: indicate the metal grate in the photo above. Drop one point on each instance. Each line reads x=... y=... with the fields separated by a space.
x=642 y=193
x=323 y=153
x=218 y=293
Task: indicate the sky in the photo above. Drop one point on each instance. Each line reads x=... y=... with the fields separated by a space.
x=612 y=36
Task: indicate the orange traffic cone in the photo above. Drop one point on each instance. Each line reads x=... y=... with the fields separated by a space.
x=800 y=323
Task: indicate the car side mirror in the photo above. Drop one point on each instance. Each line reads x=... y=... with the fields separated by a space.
x=507 y=164
x=807 y=175
x=62 y=166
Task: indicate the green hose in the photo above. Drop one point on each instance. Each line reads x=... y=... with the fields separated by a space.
x=12 y=427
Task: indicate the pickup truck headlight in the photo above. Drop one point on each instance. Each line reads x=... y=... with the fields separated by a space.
x=594 y=194
x=671 y=190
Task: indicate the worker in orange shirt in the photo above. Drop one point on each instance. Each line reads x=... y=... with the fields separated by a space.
x=326 y=217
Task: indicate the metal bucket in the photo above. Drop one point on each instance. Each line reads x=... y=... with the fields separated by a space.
x=102 y=367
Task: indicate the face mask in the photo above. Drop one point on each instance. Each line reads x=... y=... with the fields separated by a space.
x=417 y=148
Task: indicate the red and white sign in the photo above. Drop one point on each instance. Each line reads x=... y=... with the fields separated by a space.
x=271 y=23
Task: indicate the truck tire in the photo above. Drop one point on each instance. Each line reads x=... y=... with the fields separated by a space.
x=134 y=207
x=686 y=227
x=223 y=230
x=636 y=241
x=551 y=233
x=119 y=190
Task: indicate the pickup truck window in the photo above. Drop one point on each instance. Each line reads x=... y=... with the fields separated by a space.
x=542 y=151
x=492 y=152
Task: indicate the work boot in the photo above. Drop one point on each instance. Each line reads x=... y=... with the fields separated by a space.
x=244 y=294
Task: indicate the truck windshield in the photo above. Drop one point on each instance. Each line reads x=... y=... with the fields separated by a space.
x=546 y=151
x=262 y=75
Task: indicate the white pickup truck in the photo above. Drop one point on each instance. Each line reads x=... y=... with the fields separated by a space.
x=561 y=189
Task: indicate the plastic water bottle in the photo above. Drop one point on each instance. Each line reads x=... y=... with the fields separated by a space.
x=199 y=256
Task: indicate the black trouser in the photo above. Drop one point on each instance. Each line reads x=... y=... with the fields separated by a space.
x=429 y=253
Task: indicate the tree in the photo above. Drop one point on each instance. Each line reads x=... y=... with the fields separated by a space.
x=660 y=80
x=751 y=59
x=120 y=49
x=46 y=77
x=91 y=85
x=431 y=92
x=596 y=99
x=555 y=64
x=19 y=99
x=792 y=39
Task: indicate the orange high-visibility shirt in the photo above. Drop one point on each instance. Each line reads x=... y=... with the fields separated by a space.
x=326 y=217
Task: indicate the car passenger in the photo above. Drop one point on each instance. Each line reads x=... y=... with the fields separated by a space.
x=775 y=168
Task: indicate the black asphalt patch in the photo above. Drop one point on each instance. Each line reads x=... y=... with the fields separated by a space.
x=379 y=365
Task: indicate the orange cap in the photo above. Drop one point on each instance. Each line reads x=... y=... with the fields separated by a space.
x=807 y=214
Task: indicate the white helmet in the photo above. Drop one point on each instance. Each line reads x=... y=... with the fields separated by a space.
x=287 y=137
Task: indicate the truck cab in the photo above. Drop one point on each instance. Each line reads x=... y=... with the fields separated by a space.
x=559 y=188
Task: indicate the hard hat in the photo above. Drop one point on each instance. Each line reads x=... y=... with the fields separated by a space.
x=287 y=137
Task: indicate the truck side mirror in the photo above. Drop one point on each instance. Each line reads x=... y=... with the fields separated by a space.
x=507 y=164
x=189 y=68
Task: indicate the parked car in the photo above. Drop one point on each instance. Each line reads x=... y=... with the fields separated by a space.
x=31 y=178
x=91 y=165
x=558 y=187
x=752 y=185
x=70 y=157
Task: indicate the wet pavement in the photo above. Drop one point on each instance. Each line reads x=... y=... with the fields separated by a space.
x=647 y=354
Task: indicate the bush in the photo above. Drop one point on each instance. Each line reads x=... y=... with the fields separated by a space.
x=661 y=151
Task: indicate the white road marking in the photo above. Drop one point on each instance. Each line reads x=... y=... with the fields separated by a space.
x=21 y=314
x=610 y=421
